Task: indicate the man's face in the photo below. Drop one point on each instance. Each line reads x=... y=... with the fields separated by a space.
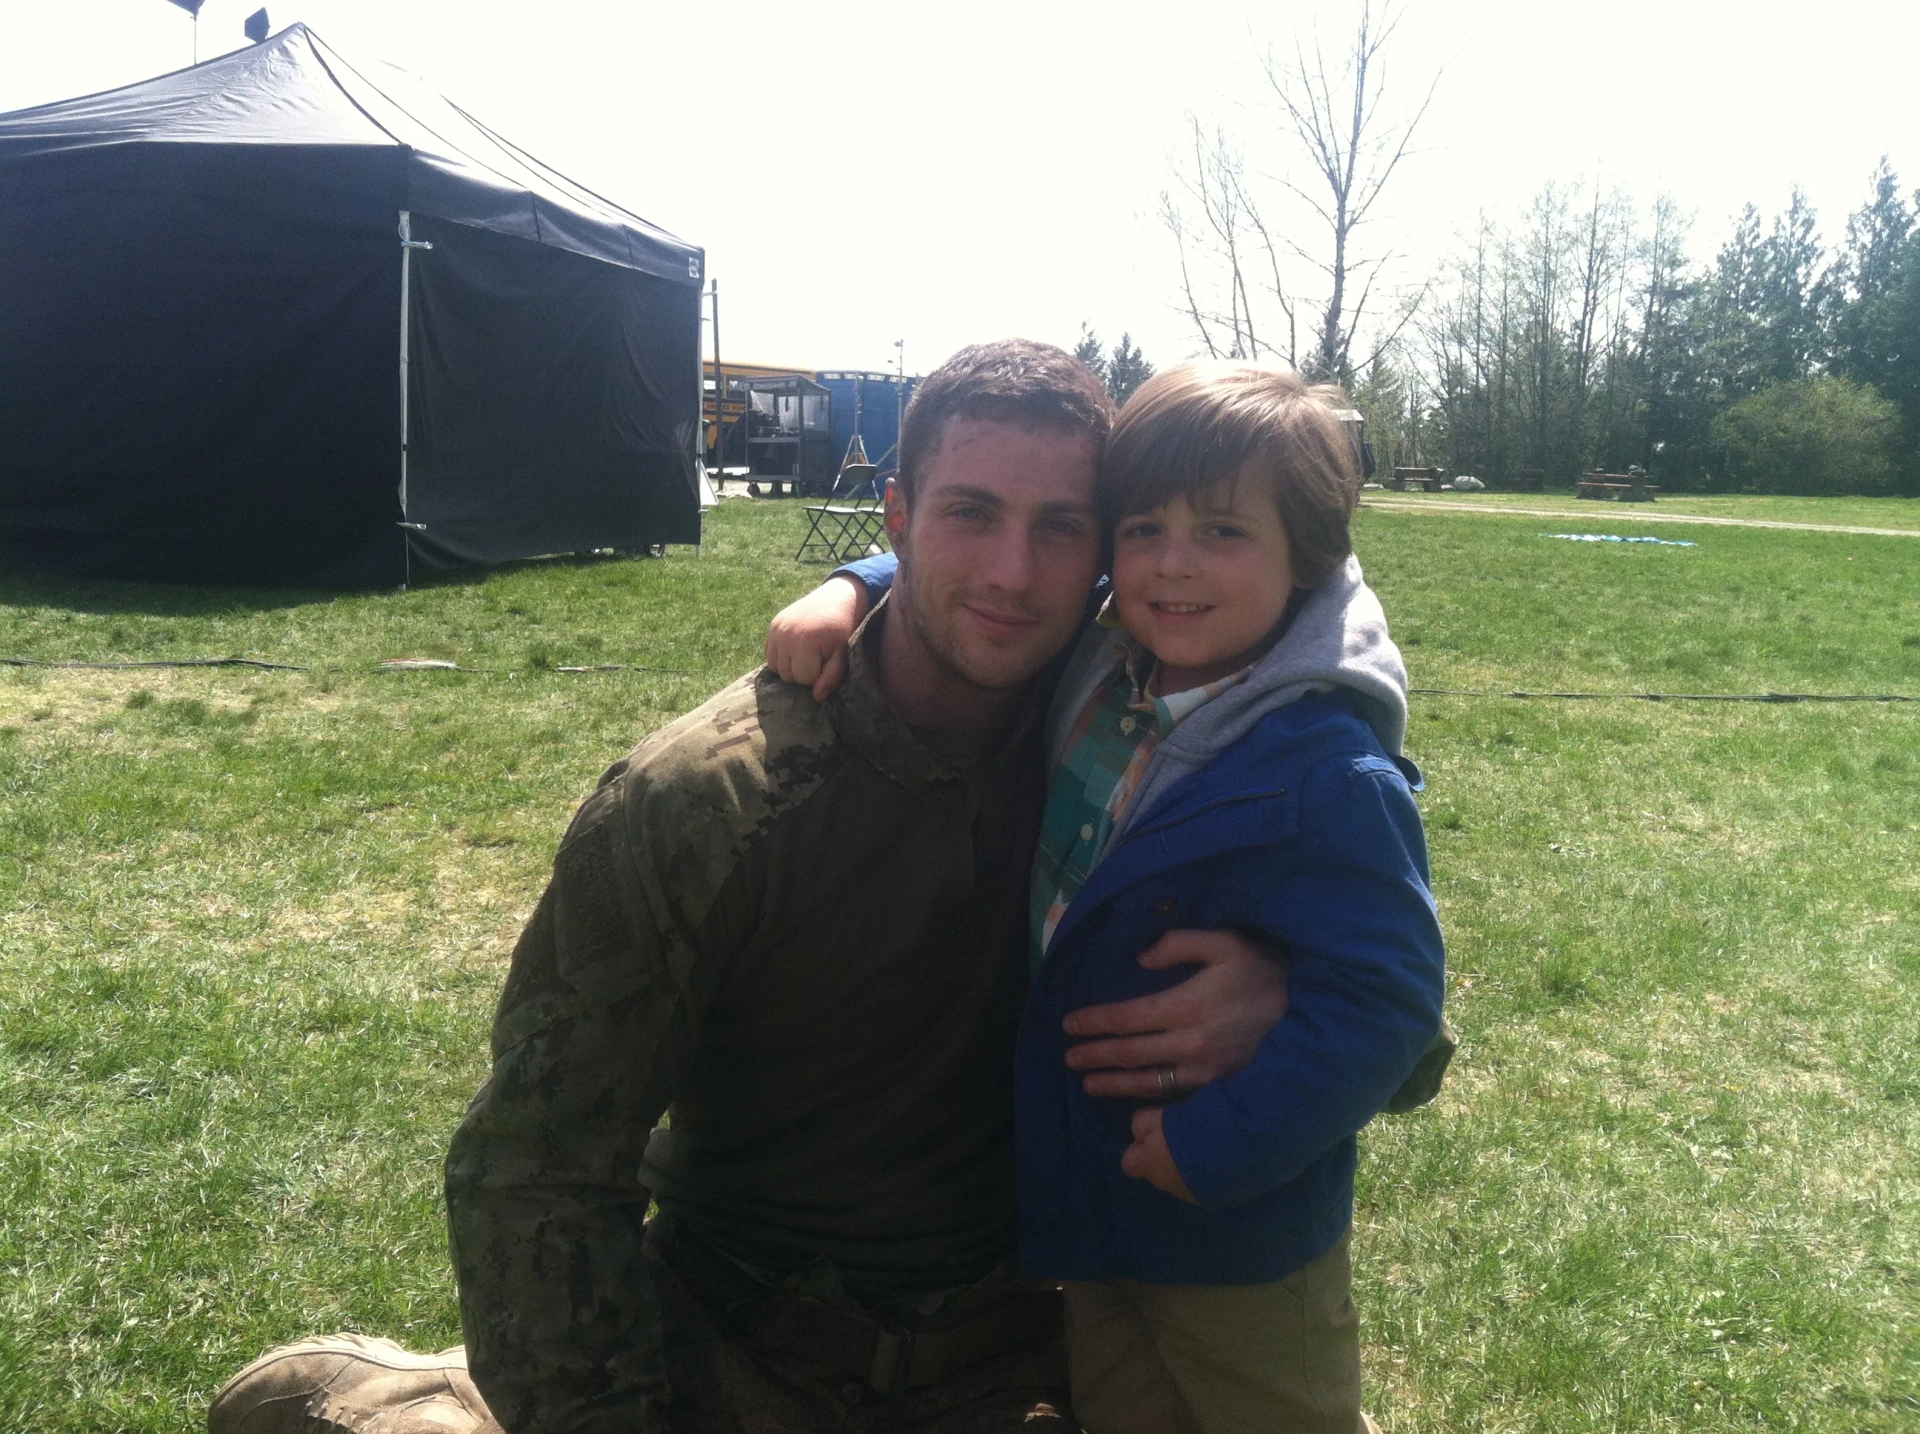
x=1000 y=548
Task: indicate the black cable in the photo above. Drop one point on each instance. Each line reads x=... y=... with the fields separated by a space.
x=1680 y=696
x=392 y=664
x=440 y=664
x=429 y=664
x=181 y=662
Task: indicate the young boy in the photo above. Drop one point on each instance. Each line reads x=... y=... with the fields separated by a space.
x=1225 y=753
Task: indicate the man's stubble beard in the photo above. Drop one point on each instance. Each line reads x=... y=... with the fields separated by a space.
x=948 y=654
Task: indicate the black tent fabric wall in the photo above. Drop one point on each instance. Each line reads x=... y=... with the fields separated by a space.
x=178 y=406
x=200 y=332
x=527 y=368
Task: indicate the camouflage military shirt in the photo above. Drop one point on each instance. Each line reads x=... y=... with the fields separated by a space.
x=802 y=933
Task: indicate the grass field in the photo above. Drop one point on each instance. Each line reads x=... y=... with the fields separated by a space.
x=253 y=923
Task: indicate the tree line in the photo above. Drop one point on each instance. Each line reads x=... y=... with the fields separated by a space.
x=1582 y=337
x=1578 y=336
x=1122 y=368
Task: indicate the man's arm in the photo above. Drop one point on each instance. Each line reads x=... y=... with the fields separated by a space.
x=544 y=1203
x=1205 y=1028
x=1366 y=980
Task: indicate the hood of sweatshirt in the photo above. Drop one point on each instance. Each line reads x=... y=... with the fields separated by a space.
x=1338 y=639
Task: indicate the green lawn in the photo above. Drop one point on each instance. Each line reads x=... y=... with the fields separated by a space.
x=253 y=923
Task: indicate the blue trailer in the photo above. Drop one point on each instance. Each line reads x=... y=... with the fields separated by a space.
x=870 y=404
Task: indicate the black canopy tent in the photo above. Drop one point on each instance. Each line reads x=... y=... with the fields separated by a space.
x=206 y=371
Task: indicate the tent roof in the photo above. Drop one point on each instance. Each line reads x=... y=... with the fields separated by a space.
x=294 y=89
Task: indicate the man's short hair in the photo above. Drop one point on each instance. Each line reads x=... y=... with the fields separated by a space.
x=1013 y=381
x=1202 y=424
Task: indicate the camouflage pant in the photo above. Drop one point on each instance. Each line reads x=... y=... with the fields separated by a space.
x=721 y=1386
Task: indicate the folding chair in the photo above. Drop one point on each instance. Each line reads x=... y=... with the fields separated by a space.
x=841 y=532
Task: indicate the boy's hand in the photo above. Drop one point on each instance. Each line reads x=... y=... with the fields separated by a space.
x=1207 y=1027
x=807 y=639
x=1149 y=1159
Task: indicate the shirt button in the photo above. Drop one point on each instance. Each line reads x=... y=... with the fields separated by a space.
x=1127 y=724
x=1086 y=832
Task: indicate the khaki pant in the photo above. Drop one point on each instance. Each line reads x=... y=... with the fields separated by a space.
x=1281 y=1358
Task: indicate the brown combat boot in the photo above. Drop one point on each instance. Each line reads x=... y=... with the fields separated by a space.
x=348 y=1384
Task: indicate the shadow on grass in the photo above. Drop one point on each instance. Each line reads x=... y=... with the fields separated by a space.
x=102 y=597
x=105 y=598
x=552 y=562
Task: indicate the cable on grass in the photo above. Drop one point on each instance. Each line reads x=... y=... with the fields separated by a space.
x=391 y=664
x=1680 y=696
x=629 y=667
x=178 y=662
x=441 y=664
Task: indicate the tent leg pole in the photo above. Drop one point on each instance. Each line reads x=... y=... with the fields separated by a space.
x=406 y=277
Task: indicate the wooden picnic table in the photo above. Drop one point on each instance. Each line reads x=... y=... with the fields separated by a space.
x=1421 y=480
x=1615 y=487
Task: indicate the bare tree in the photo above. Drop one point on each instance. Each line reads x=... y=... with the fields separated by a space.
x=1339 y=116
x=1235 y=252
x=1214 y=252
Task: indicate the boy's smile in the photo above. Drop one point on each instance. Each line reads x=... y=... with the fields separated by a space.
x=1203 y=585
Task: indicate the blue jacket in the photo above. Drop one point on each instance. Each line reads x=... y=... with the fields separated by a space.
x=1303 y=832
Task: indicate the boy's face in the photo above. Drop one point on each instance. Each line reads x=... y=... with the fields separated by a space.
x=1202 y=585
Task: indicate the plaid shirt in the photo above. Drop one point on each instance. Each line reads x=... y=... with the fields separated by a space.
x=1105 y=757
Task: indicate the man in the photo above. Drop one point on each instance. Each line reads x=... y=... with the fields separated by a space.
x=801 y=928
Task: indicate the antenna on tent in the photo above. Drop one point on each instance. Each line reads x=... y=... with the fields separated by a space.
x=192 y=7
x=257 y=25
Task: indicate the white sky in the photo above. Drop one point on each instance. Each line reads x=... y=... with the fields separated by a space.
x=860 y=172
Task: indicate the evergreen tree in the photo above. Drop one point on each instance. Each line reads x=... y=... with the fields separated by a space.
x=1669 y=412
x=1726 y=314
x=1796 y=296
x=1387 y=402
x=1125 y=369
x=1869 y=278
x=1899 y=370
x=1090 y=353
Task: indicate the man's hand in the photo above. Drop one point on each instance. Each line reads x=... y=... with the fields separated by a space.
x=1206 y=1027
x=1149 y=1159
x=807 y=639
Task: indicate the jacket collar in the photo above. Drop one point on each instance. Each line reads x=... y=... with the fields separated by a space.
x=1248 y=796
x=866 y=721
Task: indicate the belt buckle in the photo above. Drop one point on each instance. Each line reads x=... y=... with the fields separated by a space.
x=892 y=1360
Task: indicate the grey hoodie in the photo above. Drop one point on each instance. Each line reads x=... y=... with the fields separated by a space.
x=1338 y=638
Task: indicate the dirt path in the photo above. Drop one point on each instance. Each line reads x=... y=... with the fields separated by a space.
x=1637 y=514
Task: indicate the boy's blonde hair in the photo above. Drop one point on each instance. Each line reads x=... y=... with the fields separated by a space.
x=1201 y=424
